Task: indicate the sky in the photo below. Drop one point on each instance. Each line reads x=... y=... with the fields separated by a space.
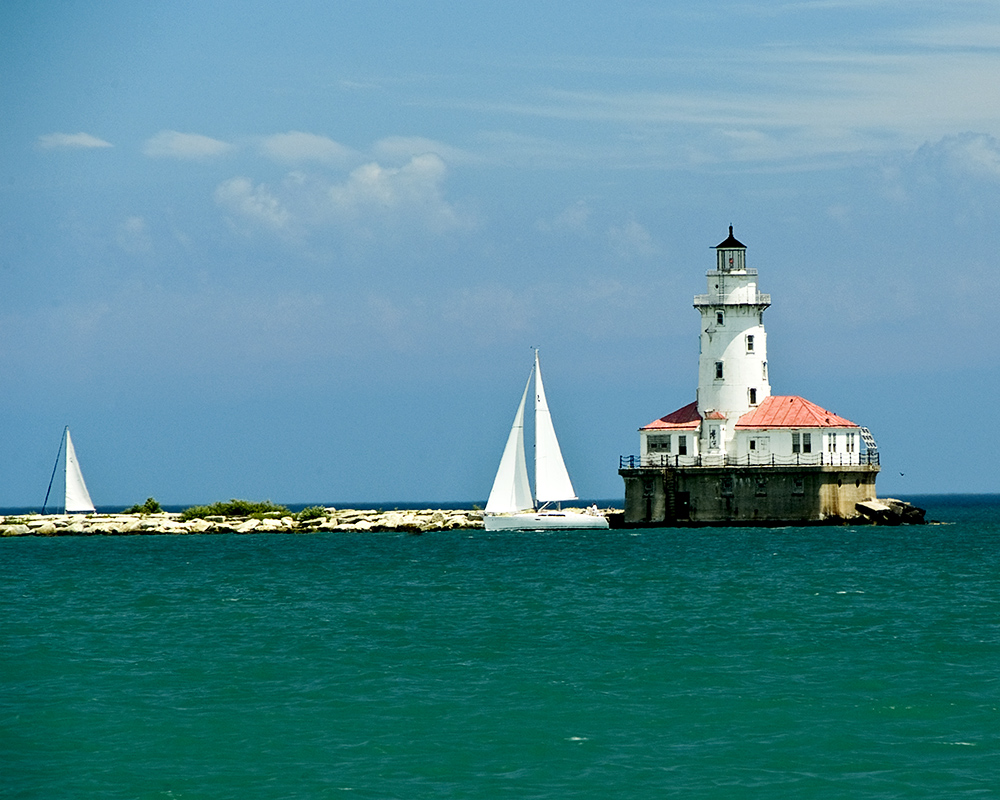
x=302 y=251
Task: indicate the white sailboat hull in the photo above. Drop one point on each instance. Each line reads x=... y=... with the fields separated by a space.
x=545 y=521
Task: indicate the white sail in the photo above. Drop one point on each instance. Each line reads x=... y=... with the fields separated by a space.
x=511 y=491
x=77 y=496
x=552 y=481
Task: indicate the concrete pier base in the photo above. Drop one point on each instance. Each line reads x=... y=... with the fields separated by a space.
x=750 y=495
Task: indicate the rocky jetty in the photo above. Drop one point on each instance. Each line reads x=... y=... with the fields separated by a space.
x=333 y=519
x=891 y=512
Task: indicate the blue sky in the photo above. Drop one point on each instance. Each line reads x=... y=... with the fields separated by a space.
x=302 y=251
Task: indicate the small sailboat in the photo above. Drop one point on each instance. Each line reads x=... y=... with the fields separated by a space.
x=77 y=497
x=510 y=506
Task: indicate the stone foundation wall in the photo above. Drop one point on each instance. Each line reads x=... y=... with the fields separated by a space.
x=745 y=495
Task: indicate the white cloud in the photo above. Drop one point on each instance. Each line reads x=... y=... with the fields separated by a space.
x=52 y=141
x=632 y=240
x=413 y=189
x=296 y=146
x=369 y=196
x=958 y=174
x=255 y=204
x=404 y=148
x=776 y=103
x=975 y=155
x=171 y=144
x=573 y=219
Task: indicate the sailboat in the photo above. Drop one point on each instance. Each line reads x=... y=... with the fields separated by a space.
x=510 y=506
x=77 y=497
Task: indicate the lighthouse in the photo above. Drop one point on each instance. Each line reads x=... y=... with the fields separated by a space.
x=739 y=453
x=732 y=363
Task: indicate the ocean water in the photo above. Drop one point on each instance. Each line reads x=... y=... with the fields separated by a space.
x=694 y=663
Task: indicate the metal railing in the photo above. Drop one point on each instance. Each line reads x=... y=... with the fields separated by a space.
x=662 y=460
x=719 y=298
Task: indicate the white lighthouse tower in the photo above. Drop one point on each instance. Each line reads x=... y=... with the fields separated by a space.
x=732 y=366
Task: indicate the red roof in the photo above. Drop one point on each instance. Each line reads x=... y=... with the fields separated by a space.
x=682 y=419
x=791 y=412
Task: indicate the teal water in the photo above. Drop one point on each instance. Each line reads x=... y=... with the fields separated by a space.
x=730 y=663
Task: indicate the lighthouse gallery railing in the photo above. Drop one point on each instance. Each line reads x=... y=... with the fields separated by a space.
x=662 y=460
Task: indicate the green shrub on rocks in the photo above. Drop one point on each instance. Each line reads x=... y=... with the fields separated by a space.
x=149 y=507
x=236 y=508
x=312 y=512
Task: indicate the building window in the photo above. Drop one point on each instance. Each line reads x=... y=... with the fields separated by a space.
x=753 y=445
x=796 y=447
x=661 y=442
x=831 y=443
x=807 y=443
x=753 y=397
x=763 y=370
x=849 y=442
x=682 y=445
x=713 y=437
x=720 y=318
x=749 y=342
x=718 y=370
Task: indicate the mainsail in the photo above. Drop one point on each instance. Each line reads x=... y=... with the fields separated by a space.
x=511 y=492
x=552 y=481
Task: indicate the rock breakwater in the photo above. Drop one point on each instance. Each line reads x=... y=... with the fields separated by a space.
x=414 y=522
x=891 y=511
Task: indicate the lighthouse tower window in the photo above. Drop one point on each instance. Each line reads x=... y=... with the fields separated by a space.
x=753 y=397
x=718 y=370
x=720 y=318
x=750 y=343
